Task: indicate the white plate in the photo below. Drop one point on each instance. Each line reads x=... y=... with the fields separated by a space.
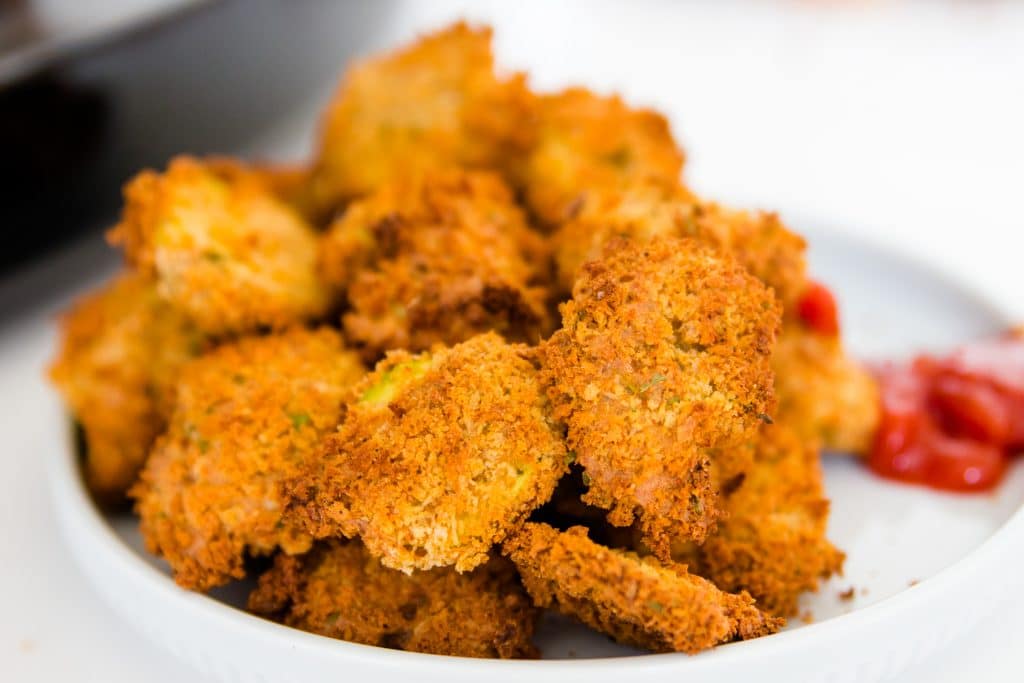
x=924 y=566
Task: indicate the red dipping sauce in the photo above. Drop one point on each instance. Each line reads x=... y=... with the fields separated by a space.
x=817 y=309
x=953 y=423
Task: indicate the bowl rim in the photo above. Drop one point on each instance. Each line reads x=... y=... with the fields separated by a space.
x=89 y=525
x=83 y=522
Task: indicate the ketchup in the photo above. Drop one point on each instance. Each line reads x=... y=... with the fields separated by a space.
x=953 y=423
x=817 y=309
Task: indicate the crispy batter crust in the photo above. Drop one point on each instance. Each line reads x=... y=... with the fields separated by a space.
x=436 y=103
x=642 y=210
x=637 y=601
x=223 y=249
x=586 y=142
x=120 y=350
x=437 y=259
x=772 y=542
x=824 y=394
x=441 y=456
x=663 y=360
x=339 y=590
x=821 y=390
x=246 y=416
x=289 y=182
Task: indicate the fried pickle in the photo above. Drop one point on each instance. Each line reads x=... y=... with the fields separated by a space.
x=437 y=259
x=223 y=249
x=772 y=542
x=663 y=360
x=246 y=416
x=436 y=103
x=586 y=142
x=818 y=385
x=824 y=394
x=643 y=210
x=121 y=348
x=440 y=456
x=637 y=601
x=341 y=591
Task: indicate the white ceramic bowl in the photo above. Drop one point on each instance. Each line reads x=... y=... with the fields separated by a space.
x=925 y=567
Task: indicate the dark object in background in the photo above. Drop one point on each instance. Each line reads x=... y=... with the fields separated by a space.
x=213 y=80
x=51 y=134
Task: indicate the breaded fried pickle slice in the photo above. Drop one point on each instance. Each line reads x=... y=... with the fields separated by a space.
x=586 y=142
x=437 y=259
x=821 y=390
x=223 y=248
x=247 y=416
x=772 y=542
x=440 y=456
x=121 y=347
x=637 y=601
x=663 y=358
x=825 y=395
x=341 y=591
x=436 y=103
x=641 y=211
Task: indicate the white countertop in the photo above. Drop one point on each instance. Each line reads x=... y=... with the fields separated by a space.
x=898 y=121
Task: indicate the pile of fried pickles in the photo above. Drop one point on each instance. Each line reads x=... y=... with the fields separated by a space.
x=484 y=355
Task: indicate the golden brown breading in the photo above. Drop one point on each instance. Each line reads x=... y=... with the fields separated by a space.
x=246 y=417
x=223 y=249
x=440 y=456
x=291 y=183
x=436 y=103
x=121 y=348
x=339 y=590
x=761 y=242
x=772 y=543
x=663 y=360
x=824 y=394
x=642 y=210
x=637 y=601
x=437 y=259
x=817 y=384
x=586 y=142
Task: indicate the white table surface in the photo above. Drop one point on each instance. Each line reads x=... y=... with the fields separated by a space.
x=899 y=121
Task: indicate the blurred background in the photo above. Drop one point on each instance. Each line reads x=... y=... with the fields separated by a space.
x=898 y=121
x=895 y=120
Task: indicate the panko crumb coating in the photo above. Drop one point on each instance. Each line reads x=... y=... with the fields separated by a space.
x=437 y=258
x=435 y=103
x=823 y=393
x=121 y=347
x=772 y=543
x=223 y=248
x=637 y=601
x=663 y=361
x=643 y=210
x=817 y=384
x=586 y=142
x=440 y=456
x=289 y=182
x=247 y=415
x=341 y=591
